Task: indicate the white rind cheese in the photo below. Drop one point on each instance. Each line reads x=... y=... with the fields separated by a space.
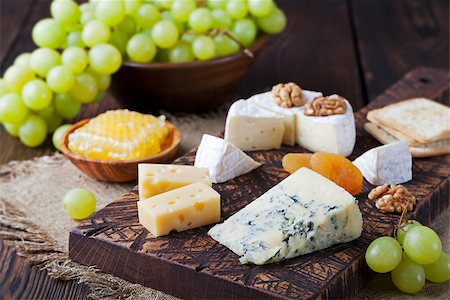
x=265 y=100
x=304 y=213
x=332 y=134
x=388 y=164
x=223 y=160
x=250 y=127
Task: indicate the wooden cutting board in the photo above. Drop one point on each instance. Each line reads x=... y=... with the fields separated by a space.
x=192 y=265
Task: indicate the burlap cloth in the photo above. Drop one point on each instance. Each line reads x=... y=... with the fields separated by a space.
x=31 y=219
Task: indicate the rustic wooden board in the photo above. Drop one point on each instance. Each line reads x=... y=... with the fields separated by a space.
x=192 y=265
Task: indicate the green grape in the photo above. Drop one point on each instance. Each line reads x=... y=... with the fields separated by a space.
x=439 y=271
x=23 y=60
x=65 y=12
x=75 y=58
x=182 y=8
x=221 y=19
x=16 y=77
x=127 y=25
x=73 y=27
x=162 y=55
x=147 y=31
x=86 y=7
x=422 y=245
x=87 y=16
x=51 y=118
x=58 y=135
x=46 y=112
x=217 y=3
x=141 y=48
x=119 y=39
x=182 y=52
x=12 y=129
x=60 y=79
x=260 y=8
x=36 y=94
x=203 y=47
x=274 y=22
x=95 y=32
x=188 y=37
x=167 y=4
x=3 y=87
x=48 y=33
x=103 y=80
x=75 y=39
x=245 y=31
x=408 y=277
x=201 y=20
x=110 y=12
x=147 y=15
x=237 y=9
x=400 y=232
x=85 y=88
x=12 y=109
x=167 y=15
x=131 y=6
x=384 y=254
x=99 y=97
x=105 y=59
x=33 y=131
x=165 y=34
x=43 y=59
x=225 y=45
x=79 y=203
x=65 y=106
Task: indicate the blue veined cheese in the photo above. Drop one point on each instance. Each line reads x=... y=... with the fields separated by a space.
x=305 y=212
x=265 y=100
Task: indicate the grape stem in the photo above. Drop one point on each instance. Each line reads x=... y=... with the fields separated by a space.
x=403 y=219
x=215 y=32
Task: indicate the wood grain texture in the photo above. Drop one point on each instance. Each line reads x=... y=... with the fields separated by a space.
x=394 y=37
x=191 y=265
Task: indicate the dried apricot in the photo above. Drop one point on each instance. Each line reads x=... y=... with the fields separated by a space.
x=294 y=161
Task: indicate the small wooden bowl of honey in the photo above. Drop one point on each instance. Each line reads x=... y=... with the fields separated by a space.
x=119 y=170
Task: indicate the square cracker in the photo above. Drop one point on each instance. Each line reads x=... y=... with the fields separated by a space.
x=422 y=119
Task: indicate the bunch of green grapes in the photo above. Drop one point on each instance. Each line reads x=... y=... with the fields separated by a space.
x=82 y=45
x=415 y=255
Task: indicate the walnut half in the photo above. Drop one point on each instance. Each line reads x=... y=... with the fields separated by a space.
x=326 y=106
x=393 y=198
x=288 y=95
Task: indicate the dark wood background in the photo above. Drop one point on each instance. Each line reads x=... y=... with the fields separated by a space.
x=356 y=48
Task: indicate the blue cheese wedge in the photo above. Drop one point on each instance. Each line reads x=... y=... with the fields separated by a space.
x=265 y=100
x=251 y=127
x=223 y=160
x=388 y=164
x=304 y=213
x=332 y=134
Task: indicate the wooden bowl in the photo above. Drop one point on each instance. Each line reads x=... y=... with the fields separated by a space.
x=119 y=170
x=187 y=87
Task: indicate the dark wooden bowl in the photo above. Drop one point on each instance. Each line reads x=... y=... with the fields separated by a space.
x=187 y=87
x=119 y=170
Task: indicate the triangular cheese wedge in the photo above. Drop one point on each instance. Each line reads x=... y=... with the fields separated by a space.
x=223 y=160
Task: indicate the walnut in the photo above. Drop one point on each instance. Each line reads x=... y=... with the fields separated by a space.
x=288 y=95
x=394 y=198
x=326 y=106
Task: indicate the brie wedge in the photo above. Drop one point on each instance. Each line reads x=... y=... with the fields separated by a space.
x=332 y=134
x=251 y=127
x=388 y=164
x=223 y=160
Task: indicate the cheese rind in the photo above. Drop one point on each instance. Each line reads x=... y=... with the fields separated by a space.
x=155 y=179
x=332 y=134
x=388 y=164
x=181 y=209
x=223 y=160
x=251 y=127
x=265 y=100
x=304 y=213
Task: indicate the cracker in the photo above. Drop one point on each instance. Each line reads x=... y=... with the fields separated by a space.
x=422 y=150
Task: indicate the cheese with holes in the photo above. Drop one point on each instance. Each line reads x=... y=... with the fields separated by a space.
x=251 y=127
x=155 y=179
x=181 y=209
x=388 y=164
x=305 y=212
x=223 y=160
x=289 y=114
x=332 y=134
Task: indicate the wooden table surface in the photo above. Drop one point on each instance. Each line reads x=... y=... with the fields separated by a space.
x=356 y=48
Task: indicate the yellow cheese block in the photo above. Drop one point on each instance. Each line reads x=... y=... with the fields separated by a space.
x=155 y=179
x=181 y=209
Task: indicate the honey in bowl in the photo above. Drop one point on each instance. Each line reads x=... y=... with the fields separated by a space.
x=119 y=135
